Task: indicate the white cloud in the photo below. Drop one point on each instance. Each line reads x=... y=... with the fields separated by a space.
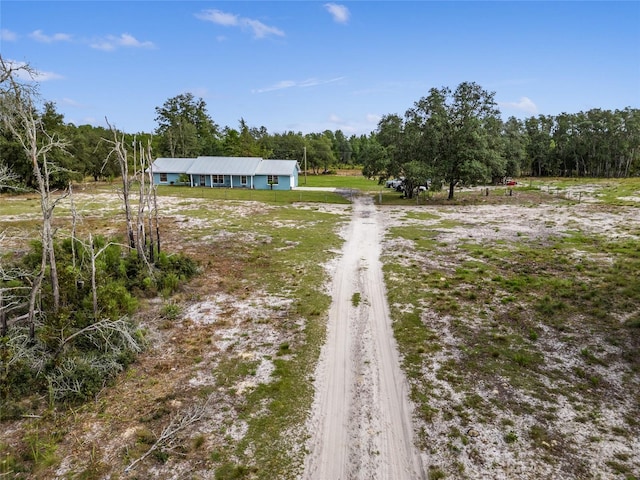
x=373 y=118
x=8 y=35
x=310 y=82
x=111 y=42
x=39 y=36
x=366 y=126
x=202 y=92
x=259 y=29
x=30 y=74
x=525 y=104
x=340 y=13
x=218 y=17
x=42 y=76
x=72 y=103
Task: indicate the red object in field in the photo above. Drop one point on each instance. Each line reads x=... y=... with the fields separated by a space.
x=512 y=182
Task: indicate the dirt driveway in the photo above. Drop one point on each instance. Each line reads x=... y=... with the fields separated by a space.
x=361 y=425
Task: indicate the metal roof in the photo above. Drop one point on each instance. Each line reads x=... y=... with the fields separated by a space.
x=225 y=166
x=277 y=167
x=172 y=165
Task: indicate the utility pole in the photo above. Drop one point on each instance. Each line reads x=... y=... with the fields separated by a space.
x=305 y=165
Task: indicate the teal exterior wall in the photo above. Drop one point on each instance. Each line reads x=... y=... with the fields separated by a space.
x=284 y=183
x=257 y=181
x=171 y=177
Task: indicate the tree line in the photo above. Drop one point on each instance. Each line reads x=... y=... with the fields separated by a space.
x=449 y=135
x=457 y=136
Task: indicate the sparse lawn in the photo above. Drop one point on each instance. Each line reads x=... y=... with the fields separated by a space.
x=352 y=180
x=255 y=368
x=243 y=194
x=524 y=334
x=517 y=318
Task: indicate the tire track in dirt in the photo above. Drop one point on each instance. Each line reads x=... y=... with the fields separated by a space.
x=361 y=421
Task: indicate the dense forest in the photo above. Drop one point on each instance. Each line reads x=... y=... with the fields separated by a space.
x=595 y=143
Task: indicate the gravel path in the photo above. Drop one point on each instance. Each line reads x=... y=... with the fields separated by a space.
x=361 y=424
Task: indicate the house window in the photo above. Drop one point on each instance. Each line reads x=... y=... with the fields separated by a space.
x=163 y=177
x=217 y=179
x=202 y=180
x=272 y=179
x=243 y=179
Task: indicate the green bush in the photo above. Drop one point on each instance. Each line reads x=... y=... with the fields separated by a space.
x=170 y=311
x=74 y=371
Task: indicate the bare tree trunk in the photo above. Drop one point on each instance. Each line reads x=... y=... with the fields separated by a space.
x=179 y=422
x=3 y=316
x=33 y=298
x=74 y=223
x=150 y=227
x=155 y=210
x=18 y=114
x=120 y=152
x=152 y=203
x=48 y=235
x=141 y=240
x=94 y=288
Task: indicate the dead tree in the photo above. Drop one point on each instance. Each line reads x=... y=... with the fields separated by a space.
x=18 y=115
x=119 y=152
x=7 y=178
x=135 y=233
x=151 y=202
x=139 y=165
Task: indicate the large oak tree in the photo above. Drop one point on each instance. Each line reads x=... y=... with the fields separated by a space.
x=454 y=134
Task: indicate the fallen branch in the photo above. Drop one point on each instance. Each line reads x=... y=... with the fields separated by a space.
x=178 y=423
x=104 y=326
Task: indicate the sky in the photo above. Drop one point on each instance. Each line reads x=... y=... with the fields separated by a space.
x=307 y=66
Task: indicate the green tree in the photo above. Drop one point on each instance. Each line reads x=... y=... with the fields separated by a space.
x=185 y=128
x=286 y=146
x=374 y=158
x=514 y=146
x=88 y=146
x=341 y=148
x=540 y=145
x=453 y=134
x=391 y=135
x=319 y=152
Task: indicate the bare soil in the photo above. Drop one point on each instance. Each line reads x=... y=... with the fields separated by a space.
x=362 y=425
x=361 y=419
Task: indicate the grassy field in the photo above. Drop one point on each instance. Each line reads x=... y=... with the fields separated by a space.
x=522 y=329
x=340 y=181
x=516 y=318
x=262 y=263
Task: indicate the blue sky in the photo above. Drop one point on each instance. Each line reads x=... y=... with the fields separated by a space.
x=310 y=66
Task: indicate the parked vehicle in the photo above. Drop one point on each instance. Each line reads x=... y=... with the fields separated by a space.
x=394 y=183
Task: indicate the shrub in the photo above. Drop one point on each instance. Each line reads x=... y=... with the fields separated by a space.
x=511 y=437
x=74 y=371
x=170 y=311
